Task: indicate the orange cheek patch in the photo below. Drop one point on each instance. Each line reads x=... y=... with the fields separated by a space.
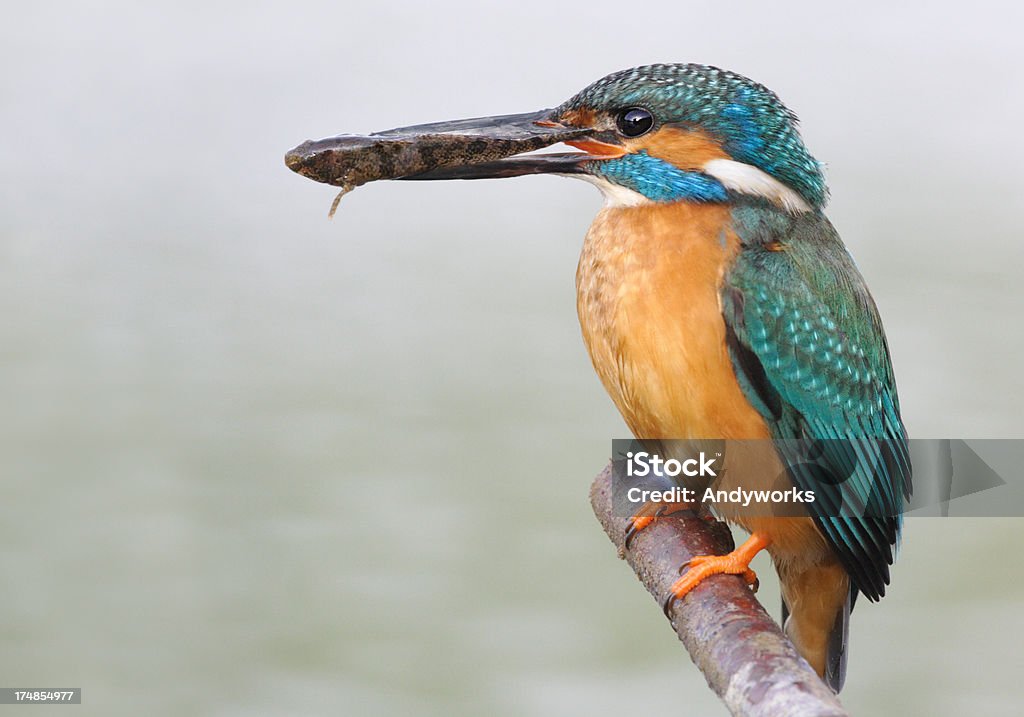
x=686 y=149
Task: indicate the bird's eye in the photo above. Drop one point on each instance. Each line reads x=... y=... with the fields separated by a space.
x=634 y=121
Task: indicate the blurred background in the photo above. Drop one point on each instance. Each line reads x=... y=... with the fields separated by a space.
x=258 y=462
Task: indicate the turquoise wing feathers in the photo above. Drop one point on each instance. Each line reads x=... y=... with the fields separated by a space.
x=808 y=349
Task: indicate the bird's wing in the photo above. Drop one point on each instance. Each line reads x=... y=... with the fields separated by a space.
x=807 y=346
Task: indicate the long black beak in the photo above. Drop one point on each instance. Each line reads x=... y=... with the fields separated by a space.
x=479 y=148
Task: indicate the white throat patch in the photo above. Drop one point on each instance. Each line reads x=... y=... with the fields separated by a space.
x=615 y=195
x=748 y=179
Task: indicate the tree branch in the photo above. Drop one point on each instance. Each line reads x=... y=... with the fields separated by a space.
x=742 y=652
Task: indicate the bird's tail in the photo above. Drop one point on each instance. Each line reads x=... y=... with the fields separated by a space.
x=838 y=641
x=816 y=605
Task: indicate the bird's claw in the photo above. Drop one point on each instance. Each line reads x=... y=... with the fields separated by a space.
x=647 y=515
x=636 y=524
x=699 y=567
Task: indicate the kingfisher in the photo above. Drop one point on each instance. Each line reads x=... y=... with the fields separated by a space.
x=717 y=301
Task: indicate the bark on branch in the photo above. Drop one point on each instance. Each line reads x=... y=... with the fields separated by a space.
x=742 y=652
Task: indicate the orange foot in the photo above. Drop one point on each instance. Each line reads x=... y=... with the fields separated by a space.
x=735 y=563
x=647 y=514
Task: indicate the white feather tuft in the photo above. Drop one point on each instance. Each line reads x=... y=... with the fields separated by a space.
x=748 y=179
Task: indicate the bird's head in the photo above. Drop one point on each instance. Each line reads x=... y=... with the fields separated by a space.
x=675 y=132
x=658 y=133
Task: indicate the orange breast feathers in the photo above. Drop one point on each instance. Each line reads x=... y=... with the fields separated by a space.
x=647 y=288
x=647 y=292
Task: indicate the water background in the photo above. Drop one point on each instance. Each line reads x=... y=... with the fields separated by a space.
x=255 y=462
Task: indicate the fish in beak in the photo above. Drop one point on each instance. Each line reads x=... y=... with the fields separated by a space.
x=479 y=148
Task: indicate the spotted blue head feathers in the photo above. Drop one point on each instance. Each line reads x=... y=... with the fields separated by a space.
x=748 y=121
